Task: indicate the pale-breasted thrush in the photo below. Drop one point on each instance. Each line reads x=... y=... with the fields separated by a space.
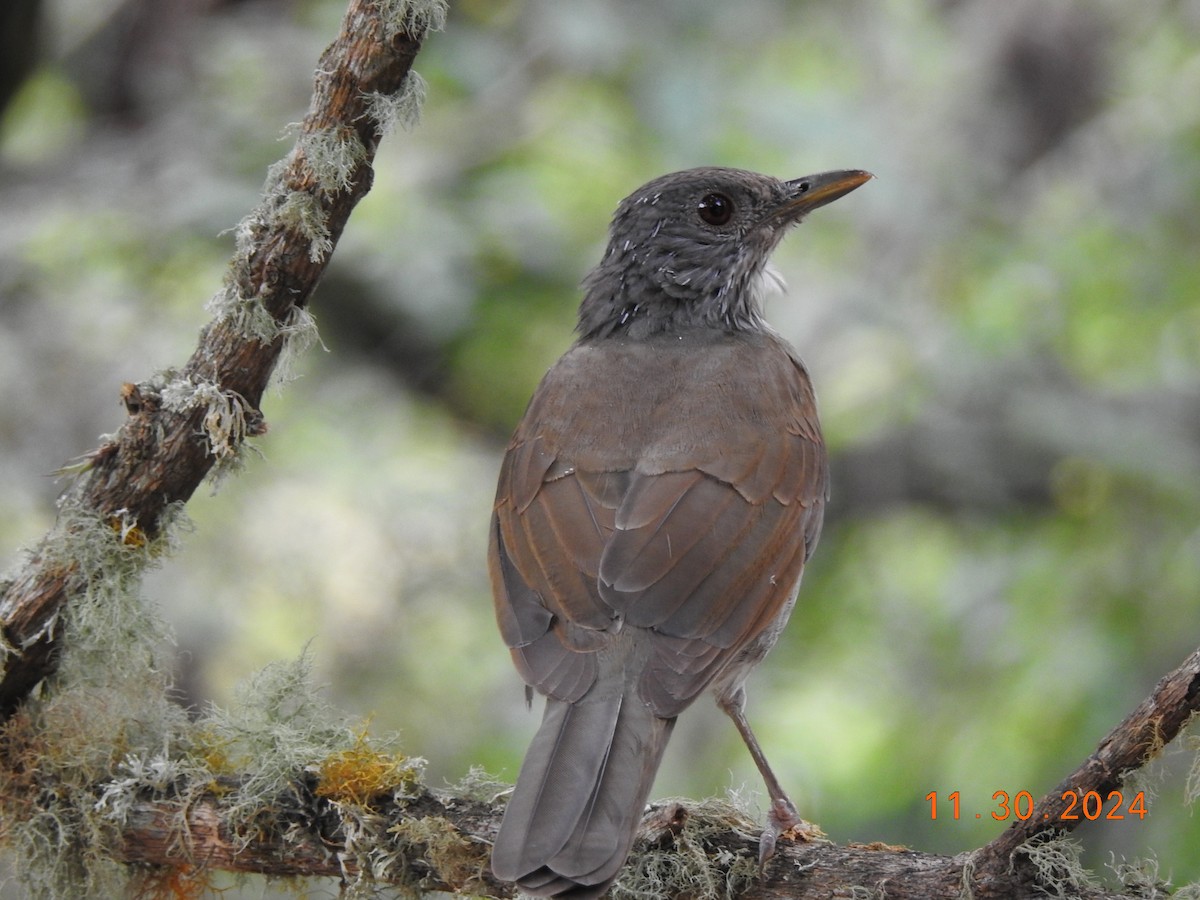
x=656 y=507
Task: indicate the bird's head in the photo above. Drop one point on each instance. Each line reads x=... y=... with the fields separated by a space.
x=691 y=249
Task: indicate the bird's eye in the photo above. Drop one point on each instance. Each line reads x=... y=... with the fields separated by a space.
x=715 y=209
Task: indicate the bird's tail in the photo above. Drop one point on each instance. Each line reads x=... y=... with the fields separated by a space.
x=580 y=796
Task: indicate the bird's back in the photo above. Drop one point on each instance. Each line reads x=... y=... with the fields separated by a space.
x=655 y=509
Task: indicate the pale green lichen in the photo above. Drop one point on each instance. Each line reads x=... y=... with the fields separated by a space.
x=110 y=629
x=225 y=413
x=365 y=857
x=238 y=304
x=227 y=422
x=684 y=861
x=1144 y=781
x=1058 y=866
x=1139 y=877
x=402 y=108
x=480 y=786
x=249 y=231
x=965 y=890
x=303 y=213
x=107 y=697
x=247 y=315
x=276 y=726
x=7 y=649
x=333 y=154
x=413 y=17
x=300 y=334
x=1191 y=789
x=251 y=754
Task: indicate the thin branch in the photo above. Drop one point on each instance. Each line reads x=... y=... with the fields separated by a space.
x=1153 y=724
x=183 y=423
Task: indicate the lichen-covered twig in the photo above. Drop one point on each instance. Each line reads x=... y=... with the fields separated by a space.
x=440 y=841
x=1153 y=724
x=182 y=424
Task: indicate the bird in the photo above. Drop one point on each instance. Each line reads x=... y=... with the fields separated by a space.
x=655 y=508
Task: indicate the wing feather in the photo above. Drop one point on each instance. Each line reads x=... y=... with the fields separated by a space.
x=695 y=533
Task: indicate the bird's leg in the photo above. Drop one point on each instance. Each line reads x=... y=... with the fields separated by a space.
x=783 y=815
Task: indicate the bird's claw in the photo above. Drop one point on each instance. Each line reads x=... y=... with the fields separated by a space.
x=783 y=819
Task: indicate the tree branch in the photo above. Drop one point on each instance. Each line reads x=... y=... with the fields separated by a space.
x=428 y=840
x=183 y=423
x=1141 y=736
x=435 y=842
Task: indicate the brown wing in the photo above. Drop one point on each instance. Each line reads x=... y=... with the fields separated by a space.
x=703 y=556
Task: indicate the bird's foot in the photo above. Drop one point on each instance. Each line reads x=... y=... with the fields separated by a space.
x=783 y=819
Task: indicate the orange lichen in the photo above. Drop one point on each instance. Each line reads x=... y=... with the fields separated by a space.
x=131 y=535
x=361 y=773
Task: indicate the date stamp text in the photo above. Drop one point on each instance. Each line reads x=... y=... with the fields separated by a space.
x=1090 y=806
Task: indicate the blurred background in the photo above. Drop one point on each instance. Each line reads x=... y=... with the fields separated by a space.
x=1004 y=331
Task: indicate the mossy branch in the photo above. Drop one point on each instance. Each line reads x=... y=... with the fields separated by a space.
x=278 y=785
x=427 y=840
x=104 y=772
x=440 y=841
x=183 y=425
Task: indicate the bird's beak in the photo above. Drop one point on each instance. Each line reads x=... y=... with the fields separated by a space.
x=814 y=191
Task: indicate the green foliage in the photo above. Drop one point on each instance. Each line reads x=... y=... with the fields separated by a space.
x=46 y=118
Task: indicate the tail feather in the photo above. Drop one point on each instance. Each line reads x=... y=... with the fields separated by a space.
x=580 y=795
